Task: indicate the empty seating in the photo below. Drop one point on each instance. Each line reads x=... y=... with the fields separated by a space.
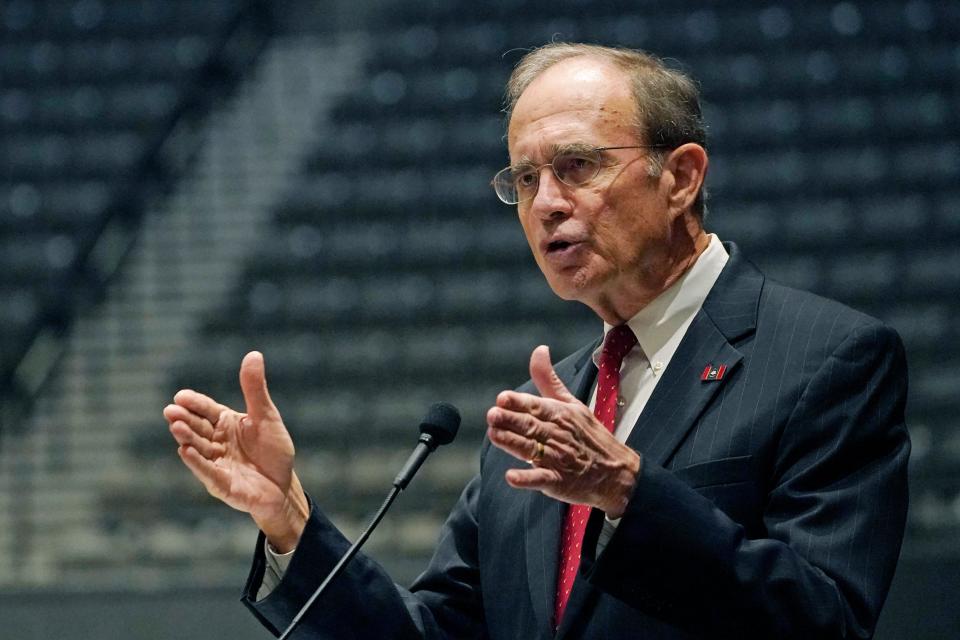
x=88 y=88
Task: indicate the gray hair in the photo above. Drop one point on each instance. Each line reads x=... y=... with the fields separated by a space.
x=667 y=101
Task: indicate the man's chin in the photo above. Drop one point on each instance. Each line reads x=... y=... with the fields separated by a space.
x=574 y=285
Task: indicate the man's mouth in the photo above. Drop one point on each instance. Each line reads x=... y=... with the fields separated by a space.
x=559 y=245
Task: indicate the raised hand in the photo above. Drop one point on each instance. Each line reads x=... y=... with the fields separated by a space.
x=243 y=459
x=572 y=455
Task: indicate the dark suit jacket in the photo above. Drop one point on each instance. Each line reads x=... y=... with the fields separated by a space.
x=771 y=502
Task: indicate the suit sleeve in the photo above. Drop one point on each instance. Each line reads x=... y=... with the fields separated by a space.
x=363 y=602
x=833 y=521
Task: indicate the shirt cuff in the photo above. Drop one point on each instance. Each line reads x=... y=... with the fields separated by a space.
x=609 y=528
x=276 y=565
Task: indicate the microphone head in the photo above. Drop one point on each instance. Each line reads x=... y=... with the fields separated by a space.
x=441 y=422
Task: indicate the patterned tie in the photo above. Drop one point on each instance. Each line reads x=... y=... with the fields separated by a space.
x=618 y=343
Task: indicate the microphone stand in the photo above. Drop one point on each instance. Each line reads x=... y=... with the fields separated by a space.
x=352 y=551
x=439 y=427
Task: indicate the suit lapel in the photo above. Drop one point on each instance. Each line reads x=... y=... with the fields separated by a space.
x=544 y=517
x=728 y=313
x=680 y=396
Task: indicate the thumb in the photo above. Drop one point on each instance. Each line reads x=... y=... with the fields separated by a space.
x=253 y=383
x=547 y=381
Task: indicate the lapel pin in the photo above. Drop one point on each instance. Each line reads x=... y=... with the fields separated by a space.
x=711 y=373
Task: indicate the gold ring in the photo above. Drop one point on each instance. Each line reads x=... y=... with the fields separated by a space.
x=538 y=454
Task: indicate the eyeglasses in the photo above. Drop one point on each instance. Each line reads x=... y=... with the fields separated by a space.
x=575 y=168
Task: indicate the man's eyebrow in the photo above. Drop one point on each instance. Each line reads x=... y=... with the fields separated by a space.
x=556 y=149
x=573 y=147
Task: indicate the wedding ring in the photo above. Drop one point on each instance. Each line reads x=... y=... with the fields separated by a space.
x=538 y=453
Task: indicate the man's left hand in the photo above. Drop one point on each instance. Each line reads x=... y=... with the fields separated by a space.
x=579 y=462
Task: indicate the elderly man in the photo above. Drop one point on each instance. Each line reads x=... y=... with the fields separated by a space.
x=729 y=461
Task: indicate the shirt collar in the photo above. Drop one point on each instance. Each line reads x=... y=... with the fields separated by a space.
x=658 y=322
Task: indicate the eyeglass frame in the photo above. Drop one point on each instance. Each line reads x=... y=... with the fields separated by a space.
x=538 y=168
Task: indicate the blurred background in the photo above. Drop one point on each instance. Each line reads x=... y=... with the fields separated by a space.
x=182 y=181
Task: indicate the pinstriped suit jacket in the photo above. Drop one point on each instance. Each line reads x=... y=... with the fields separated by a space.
x=771 y=503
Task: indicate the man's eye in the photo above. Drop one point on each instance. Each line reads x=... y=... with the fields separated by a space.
x=575 y=168
x=525 y=179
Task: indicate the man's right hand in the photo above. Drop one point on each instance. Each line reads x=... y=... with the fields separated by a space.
x=244 y=459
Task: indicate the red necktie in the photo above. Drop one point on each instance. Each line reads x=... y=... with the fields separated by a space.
x=617 y=344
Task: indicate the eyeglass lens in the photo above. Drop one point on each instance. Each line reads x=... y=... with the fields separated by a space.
x=572 y=169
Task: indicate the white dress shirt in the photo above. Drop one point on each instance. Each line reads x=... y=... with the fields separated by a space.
x=659 y=327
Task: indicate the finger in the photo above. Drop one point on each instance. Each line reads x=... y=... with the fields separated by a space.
x=174 y=412
x=203 y=406
x=544 y=377
x=186 y=436
x=535 y=479
x=253 y=383
x=518 y=422
x=215 y=479
x=520 y=447
x=525 y=403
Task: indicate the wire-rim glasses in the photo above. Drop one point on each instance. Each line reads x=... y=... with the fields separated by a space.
x=573 y=167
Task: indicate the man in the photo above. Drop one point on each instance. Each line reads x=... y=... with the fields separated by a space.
x=736 y=468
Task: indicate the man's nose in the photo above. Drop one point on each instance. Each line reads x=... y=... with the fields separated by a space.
x=552 y=199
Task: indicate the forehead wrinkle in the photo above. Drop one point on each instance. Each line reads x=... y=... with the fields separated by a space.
x=584 y=115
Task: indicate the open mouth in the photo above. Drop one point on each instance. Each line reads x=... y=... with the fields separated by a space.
x=558 y=245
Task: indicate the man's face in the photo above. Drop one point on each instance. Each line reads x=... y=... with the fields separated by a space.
x=606 y=239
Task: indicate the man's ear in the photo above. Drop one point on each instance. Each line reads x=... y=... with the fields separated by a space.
x=688 y=166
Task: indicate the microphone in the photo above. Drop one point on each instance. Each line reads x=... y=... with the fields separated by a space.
x=438 y=427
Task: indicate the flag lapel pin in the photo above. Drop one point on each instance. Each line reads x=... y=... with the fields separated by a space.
x=711 y=373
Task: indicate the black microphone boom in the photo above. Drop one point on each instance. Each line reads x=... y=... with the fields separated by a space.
x=439 y=426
